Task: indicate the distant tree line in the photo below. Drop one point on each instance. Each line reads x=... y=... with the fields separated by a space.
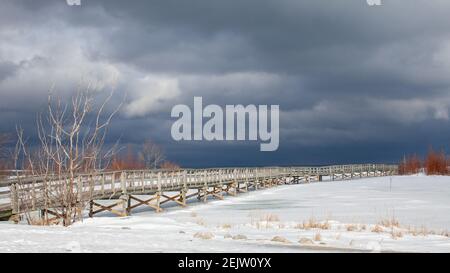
x=149 y=155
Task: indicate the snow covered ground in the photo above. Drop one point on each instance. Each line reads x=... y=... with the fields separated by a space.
x=408 y=213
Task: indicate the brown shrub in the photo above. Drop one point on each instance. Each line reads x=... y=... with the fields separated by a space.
x=127 y=161
x=167 y=165
x=436 y=163
x=410 y=164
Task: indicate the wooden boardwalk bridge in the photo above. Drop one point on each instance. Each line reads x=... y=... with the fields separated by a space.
x=127 y=190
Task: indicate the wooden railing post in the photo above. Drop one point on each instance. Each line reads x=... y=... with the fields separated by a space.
x=159 y=182
x=14 y=199
x=123 y=182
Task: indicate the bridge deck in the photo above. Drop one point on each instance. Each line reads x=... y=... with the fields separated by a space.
x=26 y=194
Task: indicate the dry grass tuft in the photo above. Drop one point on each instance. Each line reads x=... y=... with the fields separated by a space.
x=194 y=214
x=317 y=237
x=226 y=226
x=389 y=223
x=266 y=221
x=396 y=234
x=377 y=229
x=351 y=227
x=313 y=224
x=423 y=231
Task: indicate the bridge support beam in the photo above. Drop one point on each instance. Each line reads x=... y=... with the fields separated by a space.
x=51 y=216
x=244 y=188
x=95 y=207
x=180 y=198
x=153 y=202
x=6 y=215
x=231 y=189
x=183 y=198
x=202 y=194
x=216 y=192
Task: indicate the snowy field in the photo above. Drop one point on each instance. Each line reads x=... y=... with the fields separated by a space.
x=409 y=213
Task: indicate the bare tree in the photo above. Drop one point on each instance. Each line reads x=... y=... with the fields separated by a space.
x=71 y=142
x=152 y=154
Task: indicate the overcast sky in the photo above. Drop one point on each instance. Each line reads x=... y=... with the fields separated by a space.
x=354 y=83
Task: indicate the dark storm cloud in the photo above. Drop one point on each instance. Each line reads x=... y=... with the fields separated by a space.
x=350 y=79
x=7 y=69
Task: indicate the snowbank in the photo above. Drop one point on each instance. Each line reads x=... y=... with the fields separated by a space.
x=409 y=213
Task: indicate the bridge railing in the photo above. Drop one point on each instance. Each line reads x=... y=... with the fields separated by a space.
x=27 y=193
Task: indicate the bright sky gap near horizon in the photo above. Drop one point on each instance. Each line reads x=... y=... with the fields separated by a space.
x=354 y=83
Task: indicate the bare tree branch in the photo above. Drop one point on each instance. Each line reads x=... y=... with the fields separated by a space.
x=152 y=154
x=68 y=146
